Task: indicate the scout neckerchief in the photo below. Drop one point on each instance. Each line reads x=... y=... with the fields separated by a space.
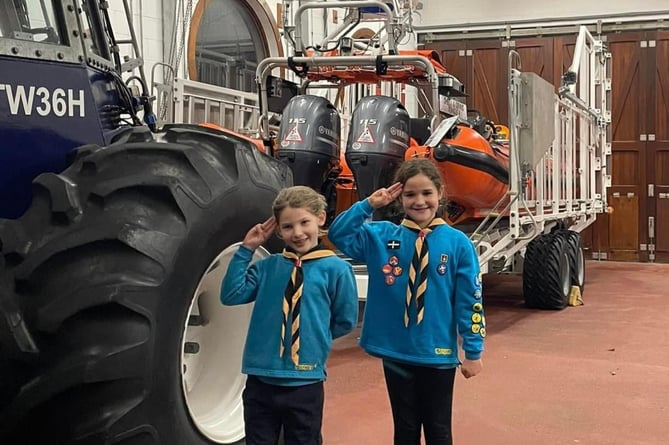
x=292 y=296
x=416 y=287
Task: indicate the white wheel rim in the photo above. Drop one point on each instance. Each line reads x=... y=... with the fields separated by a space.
x=211 y=376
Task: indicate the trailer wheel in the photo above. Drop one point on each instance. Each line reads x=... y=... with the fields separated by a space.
x=117 y=266
x=546 y=272
x=576 y=258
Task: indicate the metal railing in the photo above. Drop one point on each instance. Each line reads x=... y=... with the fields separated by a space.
x=192 y=102
x=567 y=180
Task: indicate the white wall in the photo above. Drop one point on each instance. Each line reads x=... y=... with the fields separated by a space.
x=147 y=19
x=441 y=12
x=149 y=27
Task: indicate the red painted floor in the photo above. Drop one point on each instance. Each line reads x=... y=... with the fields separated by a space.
x=596 y=374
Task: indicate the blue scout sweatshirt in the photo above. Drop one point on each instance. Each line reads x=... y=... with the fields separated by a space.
x=329 y=309
x=453 y=301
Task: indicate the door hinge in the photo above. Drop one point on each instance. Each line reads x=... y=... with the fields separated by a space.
x=599 y=255
x=651 y=252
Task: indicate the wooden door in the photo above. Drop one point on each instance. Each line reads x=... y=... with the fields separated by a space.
x=453 y=58
x=452 y=54
x=487 y=88
x=536 y=55
x=628 y=130
x=563 y=56
x=658 y=145
x=478 y=64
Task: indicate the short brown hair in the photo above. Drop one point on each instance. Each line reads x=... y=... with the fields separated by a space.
x=299 y=197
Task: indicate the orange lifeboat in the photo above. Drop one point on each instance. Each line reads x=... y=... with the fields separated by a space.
x=347 y=194
x=474 y=169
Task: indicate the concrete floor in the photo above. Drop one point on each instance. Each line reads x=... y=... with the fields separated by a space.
x=596 y=374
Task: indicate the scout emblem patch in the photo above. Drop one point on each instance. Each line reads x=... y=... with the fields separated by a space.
x=393 y=244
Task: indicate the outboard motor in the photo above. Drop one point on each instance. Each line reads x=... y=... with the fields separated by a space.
x=377 y=141
x=309 y=137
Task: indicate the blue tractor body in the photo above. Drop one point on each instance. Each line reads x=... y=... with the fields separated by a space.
x=47 y=109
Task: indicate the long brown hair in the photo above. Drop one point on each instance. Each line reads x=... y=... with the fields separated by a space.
x=413 y=167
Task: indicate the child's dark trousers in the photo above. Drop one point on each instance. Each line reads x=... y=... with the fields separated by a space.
x=420 y=396
x=299 y=409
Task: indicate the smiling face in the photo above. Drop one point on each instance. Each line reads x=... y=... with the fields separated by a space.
x=299 y=228
x=420 y=199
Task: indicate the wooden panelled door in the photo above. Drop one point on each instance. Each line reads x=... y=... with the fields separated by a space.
x=629 y=144
x=658 y=146
x=488 y=83
x=639 y=126
x=478 y=64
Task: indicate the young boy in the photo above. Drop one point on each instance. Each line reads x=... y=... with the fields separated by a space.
x=304 y=298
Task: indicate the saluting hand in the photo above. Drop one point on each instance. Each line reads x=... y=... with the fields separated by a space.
x=384 y=196
x=259 y=234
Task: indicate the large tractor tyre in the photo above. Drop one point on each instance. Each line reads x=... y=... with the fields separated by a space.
x=533 y=268
x=117 y=266
x=546 y=273
x=576 y=258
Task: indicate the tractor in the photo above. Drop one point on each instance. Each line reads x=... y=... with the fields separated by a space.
x=114 y=239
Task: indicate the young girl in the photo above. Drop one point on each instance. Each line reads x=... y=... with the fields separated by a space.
x=424 y=289
x=304 y=298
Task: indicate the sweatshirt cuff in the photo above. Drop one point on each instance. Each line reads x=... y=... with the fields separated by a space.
x=366 y=206
x=245 y=252
x=473 y=355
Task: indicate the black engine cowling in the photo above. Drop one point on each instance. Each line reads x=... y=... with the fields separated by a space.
x=377 y=141
x=309 y=137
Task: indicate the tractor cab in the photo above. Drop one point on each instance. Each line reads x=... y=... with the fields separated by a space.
x=60 y=88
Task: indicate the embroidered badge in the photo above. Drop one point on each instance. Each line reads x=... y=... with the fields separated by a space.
x=441 y=268
x=476 y=328
x=397 y=271
x=393 y=244
x=302 y=367
x=443 y=351
x=387 y=268
x=476 y=318
x=390 y=280
x=393 y=260
x=444 y=258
